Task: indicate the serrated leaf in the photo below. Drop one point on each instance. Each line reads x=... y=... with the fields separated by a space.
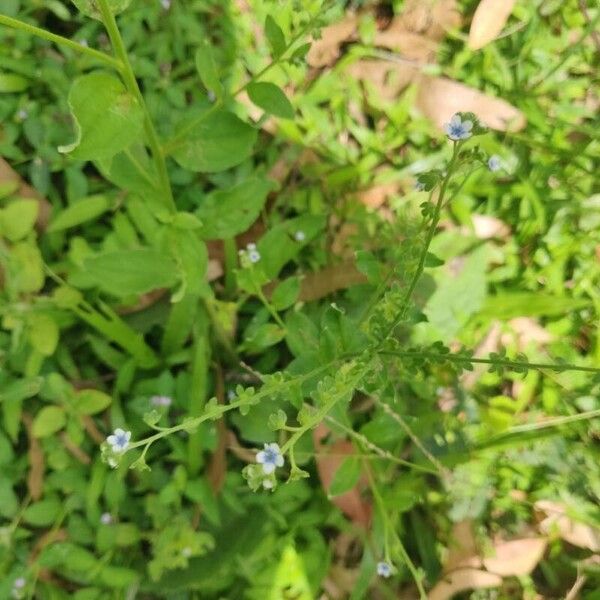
x=128 y=272
x=271 y=99
x=107 y=117
x=212 y=143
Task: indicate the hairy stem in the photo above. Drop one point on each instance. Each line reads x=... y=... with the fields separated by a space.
x=132 y=85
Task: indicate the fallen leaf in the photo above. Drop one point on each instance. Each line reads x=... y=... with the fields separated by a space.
x=326 y=50
x=516 y=557
x=462 y=545
x=487 y=227
x=557 y=521
x=35 y=477
x=432 y=19
x=489 y=19
x=526 y=331
x=329 y=280
x=439 y=98
x=329 y=458
x=461 y=580
x=377 y=195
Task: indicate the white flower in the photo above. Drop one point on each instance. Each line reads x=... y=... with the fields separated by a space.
x=106 y=519
x=187 y=552
x=384 y=569
x=253 y=253
x=270 y=458
x=458 y=129
x=494 y=163
x=22 y=114
x=18 y=587
x=119 y=440
x=166 y=4
x=299 y=236
x=161 y=401
x=84 y=43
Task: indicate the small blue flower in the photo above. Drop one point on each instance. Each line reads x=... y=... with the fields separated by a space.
x=253 y=253
x=494 y=163
x=458 y=129
x=384 y=569
x=270 y=458
x=18 y=587
x=161 y=401
x=299 y=236
x=119 y=440
x=106 y=518
x=419 y=186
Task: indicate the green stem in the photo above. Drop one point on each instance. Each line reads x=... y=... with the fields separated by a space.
x=61 y=41
x=230 y=265
x=268 y=306
x=132 y=85
x=430 y=233
x=514 y=364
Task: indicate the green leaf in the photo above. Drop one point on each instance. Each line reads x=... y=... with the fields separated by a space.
x=18 y=219
x=263 y=336
x=80 y=212
x=27 y=267
x=43 y=333
x=90 y=402
x=275 y=37
x=128 y=272
x=107 y=117
x=346 y=477
x=226 y=213
x=48 y=421
x=507 y=305
x=213 y=142
x=11 y=83
x=290 y=579
x=271 y=99
x=192 y=257
x=207 y=69
x=90 y=7
x=43 y=513
x=286 y=293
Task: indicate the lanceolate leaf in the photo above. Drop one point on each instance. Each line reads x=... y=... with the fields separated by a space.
x=107 y=117
x=213 y=143
x=271 y=99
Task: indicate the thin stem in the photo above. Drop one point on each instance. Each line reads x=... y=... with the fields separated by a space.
x=61 y=41
x=132 y=85
x=514 y=364
x=430 y=233
x=268 y=306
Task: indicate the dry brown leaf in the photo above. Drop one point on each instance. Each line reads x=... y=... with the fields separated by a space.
x=350 y=503
x=8 y=175
x=388 y=79
x=35 y=477
x=489 y=19
x=487 y=227
x=526 y=331
x=326 y=50
x=432 y=18
x=377 y=195
x=461 y=580
x=462 y=545
x=516 y=557
x=574 y=532
x=439 y=98
x=329 y=280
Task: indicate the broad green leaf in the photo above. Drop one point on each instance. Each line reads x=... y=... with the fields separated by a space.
x=290 y=578
x=27 y=267
x=280 y=245
x=90 y=402
x=80 y=212
x=192 y=258
x=209 y=143
x=107 y=117
x=263 y=337
x=207 y=69
x=11 y=83
x=43 y=513
x=18 y=219
x=43 y=333
x=226 y=213
x=9 y=503
x=90 y=7
x=507 y=305
x=345 y=477
x=271 y=99
x=128 y=272
x=275 y=37
x=286 y=293
x=48 y=421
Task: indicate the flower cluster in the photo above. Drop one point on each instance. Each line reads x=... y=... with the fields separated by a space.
x=250 y=255
x=262 y=474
